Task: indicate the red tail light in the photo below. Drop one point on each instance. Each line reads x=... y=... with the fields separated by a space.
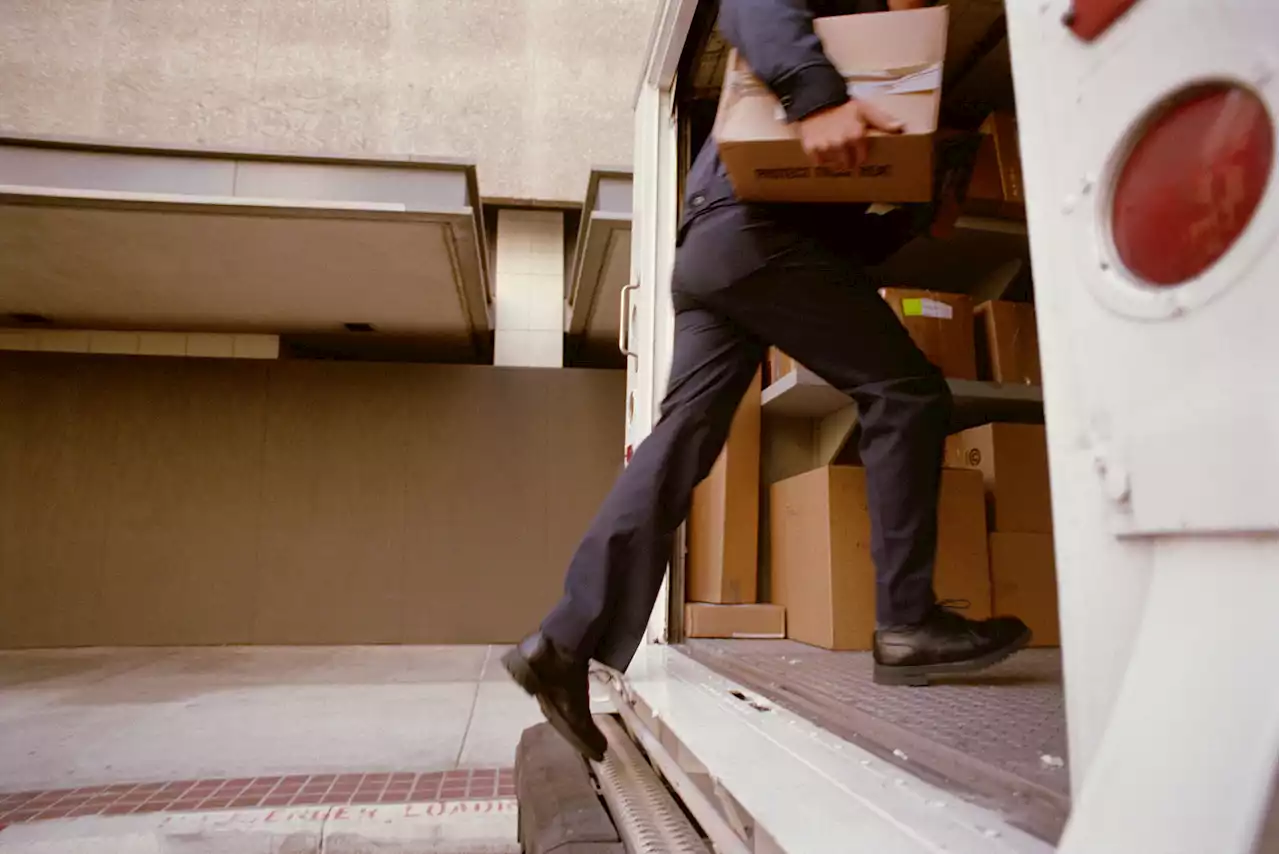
x=1191 y=183
x=1089 y=19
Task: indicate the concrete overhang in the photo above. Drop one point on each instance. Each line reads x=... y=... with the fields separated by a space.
x=104 y=236
x=601 y=266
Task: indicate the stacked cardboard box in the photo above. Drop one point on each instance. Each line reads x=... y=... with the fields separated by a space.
x=756 y=621
x=995 y=341
x=823 y=573
x=1012 y=460
x=725 y=514
x=1024 y=582
x=724 y=523
x=1007 y=343
x=777 y=365
x=941 y=325
x=995 y=186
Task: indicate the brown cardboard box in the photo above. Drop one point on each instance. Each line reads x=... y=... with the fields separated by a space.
x=995 y=188
x=941 y=325
x=985 y=195
x=780 y=364
x=724 y=520
x=762 y=152
x=1014 y=461
x=734 y=621
x=1007 y=344
x=1024 y=584
x=821 y=552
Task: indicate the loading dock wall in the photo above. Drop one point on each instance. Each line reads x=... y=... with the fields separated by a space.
x=190 y=501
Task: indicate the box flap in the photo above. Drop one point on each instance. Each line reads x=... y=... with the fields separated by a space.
x=884 y=40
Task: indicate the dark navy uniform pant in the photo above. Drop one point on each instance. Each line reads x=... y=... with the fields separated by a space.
x=745 y=278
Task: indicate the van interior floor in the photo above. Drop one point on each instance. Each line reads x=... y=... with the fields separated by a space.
x=997 y=738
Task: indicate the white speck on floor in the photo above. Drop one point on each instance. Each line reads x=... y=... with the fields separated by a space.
x=1052 y=761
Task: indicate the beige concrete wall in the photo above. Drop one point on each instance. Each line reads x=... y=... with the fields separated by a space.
x=210 y=501
x=529 y=289
x=535 y=91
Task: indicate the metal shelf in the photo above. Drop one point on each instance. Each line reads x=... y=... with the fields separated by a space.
x=803 y=394
x=992 y=224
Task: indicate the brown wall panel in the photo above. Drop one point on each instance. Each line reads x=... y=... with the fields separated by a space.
x=181 y=493
x=184 y=501
x=589 y=464
x=54 y=443
x=333 y=496
x=479 y=523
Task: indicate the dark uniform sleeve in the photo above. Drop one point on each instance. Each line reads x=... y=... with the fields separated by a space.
x=777 y=40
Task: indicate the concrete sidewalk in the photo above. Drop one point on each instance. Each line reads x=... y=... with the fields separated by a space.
x=111 y=750
x=459 y=827
x=85 y=717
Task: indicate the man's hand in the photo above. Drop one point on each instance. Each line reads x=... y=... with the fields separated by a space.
x=837 y=137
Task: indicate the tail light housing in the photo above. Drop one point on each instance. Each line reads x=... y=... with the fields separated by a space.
x=1191 y=181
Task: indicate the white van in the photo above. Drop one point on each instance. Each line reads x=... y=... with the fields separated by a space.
x=1156 y=729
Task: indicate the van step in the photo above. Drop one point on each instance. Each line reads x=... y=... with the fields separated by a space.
x=648 y=818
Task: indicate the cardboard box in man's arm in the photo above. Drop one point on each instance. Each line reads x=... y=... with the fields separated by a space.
x=891 y=59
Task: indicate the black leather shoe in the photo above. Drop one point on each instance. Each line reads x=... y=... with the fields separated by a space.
x=944 y=643
x=560 y=685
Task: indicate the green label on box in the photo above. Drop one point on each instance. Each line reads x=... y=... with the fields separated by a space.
x=925 y=307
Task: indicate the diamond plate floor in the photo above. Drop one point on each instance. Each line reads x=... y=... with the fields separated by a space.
x=997 y=736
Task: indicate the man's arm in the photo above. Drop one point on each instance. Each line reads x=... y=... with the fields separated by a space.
x=777 y=40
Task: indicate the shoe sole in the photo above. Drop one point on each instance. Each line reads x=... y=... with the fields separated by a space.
x=528 y=680
x=917 y=675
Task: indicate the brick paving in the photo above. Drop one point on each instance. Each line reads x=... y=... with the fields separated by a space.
x=256 y=792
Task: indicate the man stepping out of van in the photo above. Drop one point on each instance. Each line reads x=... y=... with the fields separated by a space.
x=747 y=276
